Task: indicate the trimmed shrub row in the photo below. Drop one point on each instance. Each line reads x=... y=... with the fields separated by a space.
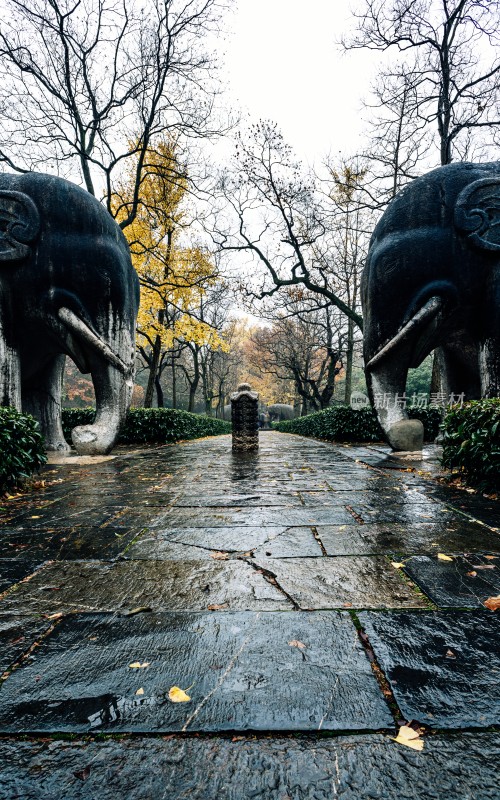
x=471 y=442
x=345 y=424
x=21 y=448
x=151 y=424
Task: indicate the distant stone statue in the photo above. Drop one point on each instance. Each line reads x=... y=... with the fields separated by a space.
x=245 y=418
x=67 y=287
x=432 y=280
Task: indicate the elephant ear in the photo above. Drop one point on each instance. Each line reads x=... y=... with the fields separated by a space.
x=19 y=225
x=477 y=213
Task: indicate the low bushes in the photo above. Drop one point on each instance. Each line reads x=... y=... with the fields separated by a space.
x=471 y=442
x=21 y=448
x=151 y=424
x=345 y=424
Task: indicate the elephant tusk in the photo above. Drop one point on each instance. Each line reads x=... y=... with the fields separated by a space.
x=81 y=329
x=427 y=312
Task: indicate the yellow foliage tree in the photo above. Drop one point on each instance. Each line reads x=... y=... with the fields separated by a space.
x=173 y=276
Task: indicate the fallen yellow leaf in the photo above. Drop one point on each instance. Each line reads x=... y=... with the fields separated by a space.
x=409 y=738
x=443 y=557
x=140 y=691
x=296 y=643
x=177 y=695
x=493 y=603
x=397 y=564
x=491 y=557
x=138 y=665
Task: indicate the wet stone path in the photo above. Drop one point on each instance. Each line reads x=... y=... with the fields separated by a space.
x=299 y=596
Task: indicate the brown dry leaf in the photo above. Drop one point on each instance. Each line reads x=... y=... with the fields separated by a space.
x=409 y=738
x=219 y=555
x=140 y=691
x=58 y=615
x=138 y=665
x=177 y=695
x=217 y=606
x=493 y=603
x=296 y=643
x=444 y=557
x=491 y=558
x=450 y=654
x=471 y=574
x=397 y=564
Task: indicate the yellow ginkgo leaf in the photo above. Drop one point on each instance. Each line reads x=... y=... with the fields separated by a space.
x=409 y=738
x=397 y=564
x=177 y=695
x=443 y=557
x=140 y=691
x=138 y=665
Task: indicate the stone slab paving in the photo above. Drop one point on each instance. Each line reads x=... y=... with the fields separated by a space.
x=69 y=586
x=245 y=672
x=466 y=581
x=444 y=669
x=463 y=767
x=211 y=561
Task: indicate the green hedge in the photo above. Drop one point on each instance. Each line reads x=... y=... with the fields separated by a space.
x=345 y=424
x=21 y=448
x=471 y=442
x=151 y=424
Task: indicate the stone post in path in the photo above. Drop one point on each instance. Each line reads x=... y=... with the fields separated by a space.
x=245 y=418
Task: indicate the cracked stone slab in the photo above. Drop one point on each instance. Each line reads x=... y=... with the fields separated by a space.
x=391 y=537
x=443 y=668
x=360 y=582
x=248 y=500
x=465 y=582
x=17 y=634
x=362 y=767
x=68 y=586
x=70 y=543
x=242 y=671
x=254 y=517
x=14 y=570
x=155 y=544
x=197 y=544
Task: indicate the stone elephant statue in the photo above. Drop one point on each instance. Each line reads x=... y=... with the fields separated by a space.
x=67 y=287
x=432 y=280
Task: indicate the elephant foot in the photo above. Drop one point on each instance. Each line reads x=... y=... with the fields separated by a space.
x=407 y=434
x=91 y=440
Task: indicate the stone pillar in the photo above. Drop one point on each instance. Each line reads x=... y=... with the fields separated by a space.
x=245 y=418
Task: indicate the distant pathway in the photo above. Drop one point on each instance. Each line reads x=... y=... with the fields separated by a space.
x=311 y=588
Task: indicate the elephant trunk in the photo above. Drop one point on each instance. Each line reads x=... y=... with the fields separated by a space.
x=387 y=372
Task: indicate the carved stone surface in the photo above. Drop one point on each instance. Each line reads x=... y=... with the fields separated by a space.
x=245 y=418
x=432 y=280
x=67 y=287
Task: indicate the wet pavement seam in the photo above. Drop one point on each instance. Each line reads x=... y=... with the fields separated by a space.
x=271 y=578
x=318 y=539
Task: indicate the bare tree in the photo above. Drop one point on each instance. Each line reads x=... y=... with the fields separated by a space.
x=88 y=86
x=306 y=347
x=271 y=217
x=449 y=46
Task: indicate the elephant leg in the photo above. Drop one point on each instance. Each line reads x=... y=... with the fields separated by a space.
x=41 y=397
x=113 y=392
x=458 y=366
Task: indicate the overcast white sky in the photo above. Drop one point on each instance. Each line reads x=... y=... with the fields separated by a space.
x=283 y=63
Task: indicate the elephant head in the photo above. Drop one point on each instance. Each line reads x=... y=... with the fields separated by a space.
x=67 y=287
x=432 y=280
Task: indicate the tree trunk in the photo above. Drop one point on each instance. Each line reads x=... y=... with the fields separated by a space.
x=174 y=384
x=159 y=392
x=153 y=372
x=348 y=362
